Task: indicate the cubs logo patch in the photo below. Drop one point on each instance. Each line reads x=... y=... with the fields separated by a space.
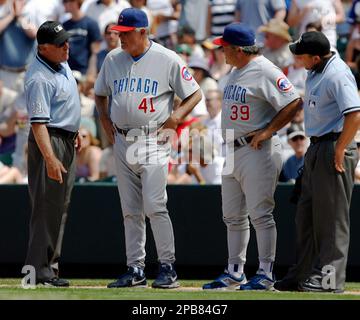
x=121 y=18
x=283 y=84
x=186 y=74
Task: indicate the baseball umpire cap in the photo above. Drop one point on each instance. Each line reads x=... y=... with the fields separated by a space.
x=52 y=32
x=130 y=19
x=314 y=43
x=237 y=34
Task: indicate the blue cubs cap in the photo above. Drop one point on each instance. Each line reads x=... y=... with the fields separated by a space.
x=130 y=19
x=237 y=34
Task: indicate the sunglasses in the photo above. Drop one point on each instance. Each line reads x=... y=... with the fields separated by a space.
x=61 y=45
x=66 y=1
x=297 y=138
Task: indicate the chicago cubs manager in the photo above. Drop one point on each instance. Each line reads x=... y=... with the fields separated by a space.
x=258 y=100
x=142 y=78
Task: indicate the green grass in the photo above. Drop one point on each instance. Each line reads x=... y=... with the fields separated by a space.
x=11 y=289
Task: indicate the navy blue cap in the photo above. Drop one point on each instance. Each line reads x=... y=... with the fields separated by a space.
x=237 y=34
x=130 y=19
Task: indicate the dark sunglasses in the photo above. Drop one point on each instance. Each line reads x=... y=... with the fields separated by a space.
x=62 y=44
x=297 y=138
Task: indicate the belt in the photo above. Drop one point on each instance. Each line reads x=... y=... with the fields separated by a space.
x=242 y=141
x=124 y=132
x=13 y=69
x=332 y=136
x=145 y=129
x=63 y=133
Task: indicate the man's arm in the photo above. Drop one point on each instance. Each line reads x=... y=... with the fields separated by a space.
x=53 y=165
x=280 y=14
x=279 y=121
x=101 y=103
x=186 y=106
x=351 y=125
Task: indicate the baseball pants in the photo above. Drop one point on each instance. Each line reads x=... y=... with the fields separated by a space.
x=249 y=192
x=142 y=170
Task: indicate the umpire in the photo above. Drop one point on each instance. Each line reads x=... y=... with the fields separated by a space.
x=54 y=111
x=332 y=117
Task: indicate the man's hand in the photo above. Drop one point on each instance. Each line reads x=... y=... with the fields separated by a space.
x=339 y=159
x=109 y=128
x=55 y=169
x=258 y=137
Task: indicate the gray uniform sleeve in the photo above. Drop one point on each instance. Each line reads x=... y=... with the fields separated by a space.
x=102 y=86
x=38 y=95
x=277 y=89
x=344 y=90
x=181 y=80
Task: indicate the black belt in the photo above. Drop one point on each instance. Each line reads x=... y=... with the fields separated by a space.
x=122 y=131
x=242 y=141
x=63 y=133
x=332 y=136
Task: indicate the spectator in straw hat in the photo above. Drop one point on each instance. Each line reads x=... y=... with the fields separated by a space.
x=276 y=41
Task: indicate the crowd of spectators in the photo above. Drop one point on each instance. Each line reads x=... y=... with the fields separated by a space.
x=187 y=27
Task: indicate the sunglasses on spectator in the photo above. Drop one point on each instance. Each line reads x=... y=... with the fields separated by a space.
x=65 y=1
x=297 y=138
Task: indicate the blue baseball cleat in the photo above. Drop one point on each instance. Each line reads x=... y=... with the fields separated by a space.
x=167 y=277
x=259 y=282
x=134 y=277
x=226 y=281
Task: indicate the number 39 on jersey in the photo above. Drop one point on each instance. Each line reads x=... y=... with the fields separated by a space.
x=240 y=112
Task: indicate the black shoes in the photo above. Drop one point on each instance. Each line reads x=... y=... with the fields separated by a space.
x=286 y=285
x=55 y=282
x=167 y=277
x=314 y=284
x=134 y=277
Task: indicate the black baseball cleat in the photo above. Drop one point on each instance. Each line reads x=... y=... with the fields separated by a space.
x=167 y=277
x=314 y=284
x=54 y=282
x=134 y=277
x=286 y=285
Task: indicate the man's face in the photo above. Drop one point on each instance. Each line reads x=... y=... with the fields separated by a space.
x=231 y=54
x=130 y=41
x=111 y=37
x=273 y=41
x=213 y=101
x=298 y=143
x=70 y=5
x=308 y=60
x=56 y=53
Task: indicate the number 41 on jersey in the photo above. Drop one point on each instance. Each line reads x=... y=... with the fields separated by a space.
x=145 y=104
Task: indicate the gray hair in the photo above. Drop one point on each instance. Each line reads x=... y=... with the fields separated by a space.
x=249 y=50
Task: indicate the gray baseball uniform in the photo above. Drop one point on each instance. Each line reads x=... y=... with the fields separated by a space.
x=253 y=95
x=142 y=92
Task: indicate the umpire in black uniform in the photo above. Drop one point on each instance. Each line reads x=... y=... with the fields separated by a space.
x=54 y=111
x=332 y=117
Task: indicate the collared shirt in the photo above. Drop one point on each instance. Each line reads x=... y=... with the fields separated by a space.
x=52 y=96
x=329 y=95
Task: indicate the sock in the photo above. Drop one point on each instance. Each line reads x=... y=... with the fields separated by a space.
x=236 y=270
x=267 y=267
